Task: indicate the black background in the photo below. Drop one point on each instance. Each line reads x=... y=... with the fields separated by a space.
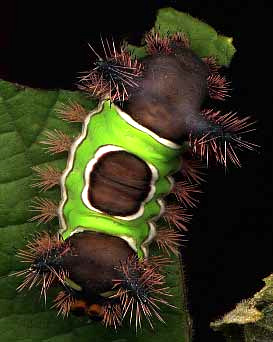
x=229 y=248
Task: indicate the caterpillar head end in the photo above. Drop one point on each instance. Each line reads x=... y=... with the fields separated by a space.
x=137 y=291
x=98 y=308
x=84 y=266
x=113 y=281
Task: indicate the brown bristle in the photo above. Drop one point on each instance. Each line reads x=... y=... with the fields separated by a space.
x=57 y=141
x=169 y=240
x=156 y=44
x=34 y=279
x=183 y=192
x=112 y=315
x=72 y=112
x=212 y=64
x=114 y=75
x=165 y=45
x=159 y=261
x=191 y=170
x=94 y=85
x=42 y=269
x=223 y=143
x=63 y=303
x=218 y=87
x=47 y=177
x=177 y=216
x=44 y=242
x=140 y=289
x=180 y=38
x=47 y=210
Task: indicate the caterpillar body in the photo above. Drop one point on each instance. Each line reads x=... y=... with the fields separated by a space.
x=152 y=158
x=119 y=170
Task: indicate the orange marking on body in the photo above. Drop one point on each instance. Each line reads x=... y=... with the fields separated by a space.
x=79 y=304
x=95 y=310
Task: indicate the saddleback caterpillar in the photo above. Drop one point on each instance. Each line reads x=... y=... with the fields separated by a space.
x=148 y=125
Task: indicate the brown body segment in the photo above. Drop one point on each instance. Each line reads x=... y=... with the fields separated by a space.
x=92 y=261
x=170 y=94
x=119 y=182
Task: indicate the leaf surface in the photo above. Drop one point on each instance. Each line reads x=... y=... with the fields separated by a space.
x=252 y=319
x=204 y=40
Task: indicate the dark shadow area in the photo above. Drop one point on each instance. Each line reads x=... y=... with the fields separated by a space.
x=229 y=248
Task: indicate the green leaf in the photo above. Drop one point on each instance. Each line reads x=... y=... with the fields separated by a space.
x=205 y=41
x=252 y=319
x=25 y=114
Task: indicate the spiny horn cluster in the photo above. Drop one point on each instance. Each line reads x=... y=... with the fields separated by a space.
x=64 y=301
x=224 y=137
x=43 y=256
x=141 y=288
x=113 y=75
